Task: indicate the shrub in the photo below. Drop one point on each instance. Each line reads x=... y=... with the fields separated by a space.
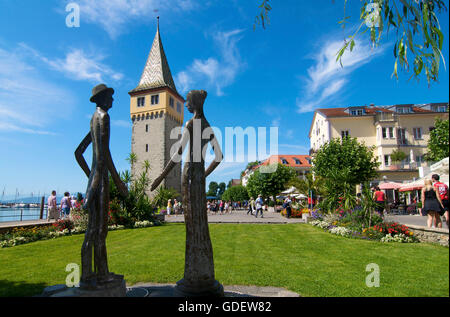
x=63 y=224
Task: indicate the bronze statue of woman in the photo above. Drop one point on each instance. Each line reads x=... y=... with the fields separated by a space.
x=199 y=278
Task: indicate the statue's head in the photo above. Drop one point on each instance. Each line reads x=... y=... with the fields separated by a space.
x=195 y=100
x=102 y=96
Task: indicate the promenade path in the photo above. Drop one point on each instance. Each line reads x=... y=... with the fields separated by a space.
x=25 y=223
x=239 y=216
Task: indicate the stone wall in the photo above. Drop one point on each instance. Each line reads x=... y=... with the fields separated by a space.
x=154 y=132
x=431 y=235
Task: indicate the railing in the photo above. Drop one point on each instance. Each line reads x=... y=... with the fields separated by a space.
x=385 y=117
x=21 y=216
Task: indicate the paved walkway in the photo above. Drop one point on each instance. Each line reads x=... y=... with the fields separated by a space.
x=415 y=220
x=239 y=216
x=24 y=223
x=167 y=290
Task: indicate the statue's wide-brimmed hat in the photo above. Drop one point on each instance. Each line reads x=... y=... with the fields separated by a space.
x=100 y=90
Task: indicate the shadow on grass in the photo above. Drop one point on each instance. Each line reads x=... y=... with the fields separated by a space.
x=20 y=288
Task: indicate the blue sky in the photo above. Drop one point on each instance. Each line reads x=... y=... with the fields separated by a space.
x=254 y=78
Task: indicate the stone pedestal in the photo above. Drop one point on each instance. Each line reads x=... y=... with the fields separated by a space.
x=183 y=289
x=114 y=288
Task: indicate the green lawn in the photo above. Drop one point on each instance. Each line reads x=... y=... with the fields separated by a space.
x=298 y=257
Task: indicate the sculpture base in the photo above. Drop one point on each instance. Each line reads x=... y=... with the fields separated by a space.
x=184 y=290
x=114 y=286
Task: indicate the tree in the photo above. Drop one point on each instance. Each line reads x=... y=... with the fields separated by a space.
x=163 y=194
x=213 y=188
x=343 y=164
x=235 y=193
x=270 y=184
x=308 y=185
x=418 y=32
x=221 y=190
x=397 y=156
x=438 y=144
x=345 y=161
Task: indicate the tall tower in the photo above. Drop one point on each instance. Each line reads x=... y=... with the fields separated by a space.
x=156 y=108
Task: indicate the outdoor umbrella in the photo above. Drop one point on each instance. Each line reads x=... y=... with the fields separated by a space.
x=390 y=185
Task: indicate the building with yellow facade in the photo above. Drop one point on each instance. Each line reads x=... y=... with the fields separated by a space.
x=404 y=127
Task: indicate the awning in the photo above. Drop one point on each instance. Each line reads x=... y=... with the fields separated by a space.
x=390 y=185
x=420 y=183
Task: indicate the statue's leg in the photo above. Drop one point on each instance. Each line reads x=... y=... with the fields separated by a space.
x=88 y=244
x=100 y=252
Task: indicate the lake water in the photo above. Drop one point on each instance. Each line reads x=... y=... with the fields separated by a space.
x=14 y=214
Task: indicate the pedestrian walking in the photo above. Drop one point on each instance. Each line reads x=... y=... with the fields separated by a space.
x=52 y=209
x=221 y=206
x=250 y=206
x=259 y=202
x=442 y=190
x=73 y=202
x=176 y=207
x=379 y=198
x=169 y=206
x=65 y=205
x=432 y=203
x=288 y=206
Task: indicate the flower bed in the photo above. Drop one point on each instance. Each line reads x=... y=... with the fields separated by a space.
x=61 y=228
x=353 y=226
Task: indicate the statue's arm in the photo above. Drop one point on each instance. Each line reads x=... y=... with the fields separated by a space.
x=79 y=154
x=218 y=156
x=174 y=159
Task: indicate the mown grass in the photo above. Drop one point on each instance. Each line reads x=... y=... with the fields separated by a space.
x=299 y=257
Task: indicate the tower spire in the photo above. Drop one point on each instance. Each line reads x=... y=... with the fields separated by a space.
x=156 y=72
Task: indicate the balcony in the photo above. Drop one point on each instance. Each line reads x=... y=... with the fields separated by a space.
x=385 y=117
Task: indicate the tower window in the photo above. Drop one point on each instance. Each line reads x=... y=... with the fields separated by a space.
x=155 y=99
x=141 y=102
x=146 y=128
x=146 y=148
x=171 y=102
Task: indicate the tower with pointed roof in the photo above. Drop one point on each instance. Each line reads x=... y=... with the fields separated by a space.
x=156 y=109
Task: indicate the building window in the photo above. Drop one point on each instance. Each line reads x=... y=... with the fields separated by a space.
x=387 y=160
x=441 y=108
x=146 y=148
x=391 y=132
x=384 y=131
x=178 y=107
x=401 y=134
x=297 y=161
x=155 y=99
x=141 y=102
x=388 y=133
x=146 y=128
x=404 y=110
x=345 y=134
x=284 y=161
x=171 y=102
x=417 y=133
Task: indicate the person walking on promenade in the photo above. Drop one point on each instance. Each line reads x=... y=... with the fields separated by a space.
x=169 y=206
x=432 y=203
x=288 y=206
x=73 y=202
x=442 y=190
x=65 y=205
x=221 y=206
x=379 y=198
x=52 y=209
x=251 y=206
x=259 y=206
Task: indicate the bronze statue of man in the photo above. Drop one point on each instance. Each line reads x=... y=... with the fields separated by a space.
x=97 y=276
x=199 y=279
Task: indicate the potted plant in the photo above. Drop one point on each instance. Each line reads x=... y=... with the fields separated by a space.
x=397 y=156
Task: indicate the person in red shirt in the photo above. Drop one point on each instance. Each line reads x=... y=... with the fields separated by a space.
x=379 y=198
x=442 y=189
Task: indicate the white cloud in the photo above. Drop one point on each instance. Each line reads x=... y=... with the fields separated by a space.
x=219 y=72
x=78 y=65
x=115 y=15
x=28 y=101
x=326 y=78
